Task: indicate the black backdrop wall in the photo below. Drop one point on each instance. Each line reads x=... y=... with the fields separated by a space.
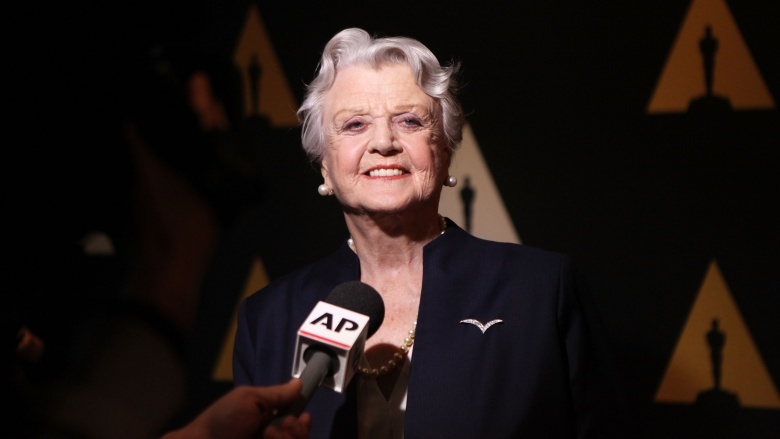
x=557 y=94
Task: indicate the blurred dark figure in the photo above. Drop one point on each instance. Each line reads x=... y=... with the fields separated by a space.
x=467 y=197
x=716 y=339
x=709 y=102
x=708 y=46
x=141 y=168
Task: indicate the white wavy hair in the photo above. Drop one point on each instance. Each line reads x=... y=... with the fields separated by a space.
x=355 y=46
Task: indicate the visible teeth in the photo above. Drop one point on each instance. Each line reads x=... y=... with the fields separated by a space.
x=385 y=172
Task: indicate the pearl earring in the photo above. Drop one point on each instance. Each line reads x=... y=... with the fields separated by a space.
x=451 y=181
x=324 y=190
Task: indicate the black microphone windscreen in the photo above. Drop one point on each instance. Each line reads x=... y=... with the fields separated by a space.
x=361 y=298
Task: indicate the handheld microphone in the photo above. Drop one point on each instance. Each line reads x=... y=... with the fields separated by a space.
x=331 y=340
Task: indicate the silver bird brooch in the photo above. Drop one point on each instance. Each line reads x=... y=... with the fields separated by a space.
x=482 y=327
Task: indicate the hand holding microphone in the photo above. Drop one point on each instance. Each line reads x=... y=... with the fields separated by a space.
x=245 y=412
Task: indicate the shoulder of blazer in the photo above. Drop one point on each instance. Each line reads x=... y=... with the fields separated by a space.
x=458 y=246
x=310 y=283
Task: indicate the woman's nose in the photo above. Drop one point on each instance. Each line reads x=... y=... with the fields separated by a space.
x=383 y=140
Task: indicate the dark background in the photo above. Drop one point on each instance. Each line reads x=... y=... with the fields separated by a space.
x=556 y=94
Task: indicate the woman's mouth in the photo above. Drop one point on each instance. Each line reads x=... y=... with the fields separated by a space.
x=385 y=172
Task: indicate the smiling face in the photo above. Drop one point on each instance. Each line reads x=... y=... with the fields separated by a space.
x=385 y=152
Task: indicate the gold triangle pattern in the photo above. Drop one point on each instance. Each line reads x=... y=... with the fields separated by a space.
x=734 y=74
x=223 y=369
x=715 y=337
x=267 y=92
x=489 y=218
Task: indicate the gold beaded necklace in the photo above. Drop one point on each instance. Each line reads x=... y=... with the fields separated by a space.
x=398 y=357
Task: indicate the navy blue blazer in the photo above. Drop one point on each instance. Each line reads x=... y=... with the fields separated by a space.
x=524 y=377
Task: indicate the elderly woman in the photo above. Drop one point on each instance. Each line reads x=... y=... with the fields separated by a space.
x=480 y=339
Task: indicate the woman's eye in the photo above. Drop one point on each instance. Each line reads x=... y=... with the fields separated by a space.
x=354 y=125
x=411 y=122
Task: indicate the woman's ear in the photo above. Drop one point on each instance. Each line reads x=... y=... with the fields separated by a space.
x=325 y=172
x=446 y=152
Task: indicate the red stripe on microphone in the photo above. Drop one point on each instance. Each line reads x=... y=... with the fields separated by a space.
x=327 y=340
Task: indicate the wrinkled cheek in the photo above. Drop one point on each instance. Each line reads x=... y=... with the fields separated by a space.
x=427 y=187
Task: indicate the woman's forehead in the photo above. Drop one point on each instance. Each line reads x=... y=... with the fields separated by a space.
x=365 y=89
